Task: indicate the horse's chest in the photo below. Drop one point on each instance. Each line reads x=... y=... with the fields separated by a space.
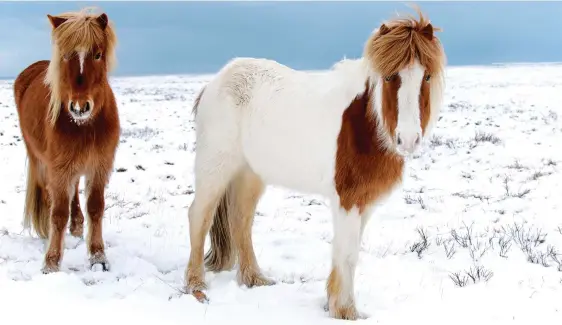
x=79 y=152
x=361 y=181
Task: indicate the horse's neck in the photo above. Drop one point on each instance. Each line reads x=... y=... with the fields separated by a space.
x=350 y=75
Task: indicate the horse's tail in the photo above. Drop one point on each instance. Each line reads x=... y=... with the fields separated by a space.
x=221 y=255
x=36 y=209
x=197 y=101
x=234 y=215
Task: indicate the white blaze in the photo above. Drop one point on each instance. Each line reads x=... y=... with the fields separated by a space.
x=409 y=120
x=82 y=57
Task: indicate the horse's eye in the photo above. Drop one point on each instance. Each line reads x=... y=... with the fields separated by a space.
x=97 y=57
x=388 y=78
x=427 y=77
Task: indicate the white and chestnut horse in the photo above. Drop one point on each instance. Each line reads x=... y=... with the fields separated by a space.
x=343 y=134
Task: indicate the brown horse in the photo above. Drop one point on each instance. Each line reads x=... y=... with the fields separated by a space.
x=70 y=124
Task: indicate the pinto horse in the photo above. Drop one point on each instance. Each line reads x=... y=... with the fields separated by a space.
x=70 y=125
x=344 y=134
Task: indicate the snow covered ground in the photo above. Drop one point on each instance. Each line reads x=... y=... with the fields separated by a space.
x=474 y=236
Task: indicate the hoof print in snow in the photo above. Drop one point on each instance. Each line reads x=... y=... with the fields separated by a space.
x=121 y=170
x=139 y=167
x=89 y=282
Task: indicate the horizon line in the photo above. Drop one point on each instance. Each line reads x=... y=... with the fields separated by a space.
x=195 y=74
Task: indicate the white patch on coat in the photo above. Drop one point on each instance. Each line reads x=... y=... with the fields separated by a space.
x=345 y=250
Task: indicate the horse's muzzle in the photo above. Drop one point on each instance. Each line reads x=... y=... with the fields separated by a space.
x=80 y=109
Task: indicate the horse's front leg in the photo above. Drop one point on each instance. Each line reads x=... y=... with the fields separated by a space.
x=95 y=187
x=345 y=253
x=59 y=191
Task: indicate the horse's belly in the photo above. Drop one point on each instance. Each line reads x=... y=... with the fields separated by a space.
x=292 y=155
x=294 y=172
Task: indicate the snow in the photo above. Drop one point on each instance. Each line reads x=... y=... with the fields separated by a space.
x=489 y=177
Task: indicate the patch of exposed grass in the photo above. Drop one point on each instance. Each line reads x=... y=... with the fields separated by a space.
x=481 y=137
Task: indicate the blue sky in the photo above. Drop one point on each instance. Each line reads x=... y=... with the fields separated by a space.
x=200 y=37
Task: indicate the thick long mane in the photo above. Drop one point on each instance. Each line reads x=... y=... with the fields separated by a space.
x=401 y=42
x=80 y=31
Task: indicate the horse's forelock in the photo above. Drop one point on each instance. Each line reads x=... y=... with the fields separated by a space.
x=399 y=42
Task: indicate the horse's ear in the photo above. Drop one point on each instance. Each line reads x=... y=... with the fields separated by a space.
x=427 y=32
x=56 y=21
x=383 y=30
x=102 y=20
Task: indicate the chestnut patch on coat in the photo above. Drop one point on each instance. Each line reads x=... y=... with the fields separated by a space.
x=390 y=103
x=425 y=103
x=365 y=170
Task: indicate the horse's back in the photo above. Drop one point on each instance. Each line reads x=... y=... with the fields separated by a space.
x=30 y=74
x=255 y=65
x=242 y=77
x=31 y=97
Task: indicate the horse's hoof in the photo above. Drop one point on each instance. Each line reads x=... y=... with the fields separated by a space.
x=195 y=286
x=99 y=259
x=255 y=280
x=345 y=313
x=46 y=269
x=104 y=266
x=77 y=232
x=200 y=296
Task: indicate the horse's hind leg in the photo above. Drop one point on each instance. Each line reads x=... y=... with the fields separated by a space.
x=247 y=188
x=76 y=216
x=214 y=171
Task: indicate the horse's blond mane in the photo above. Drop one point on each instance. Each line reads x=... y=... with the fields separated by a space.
x=81 y=30
x=400 y=41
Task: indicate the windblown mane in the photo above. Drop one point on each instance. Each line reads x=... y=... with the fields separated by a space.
x=400 y=41
x=81 y=30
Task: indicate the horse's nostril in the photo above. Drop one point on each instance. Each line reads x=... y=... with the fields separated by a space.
x=398 y=140
x=72 y=106
x=418 y=139
x=87 y=107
